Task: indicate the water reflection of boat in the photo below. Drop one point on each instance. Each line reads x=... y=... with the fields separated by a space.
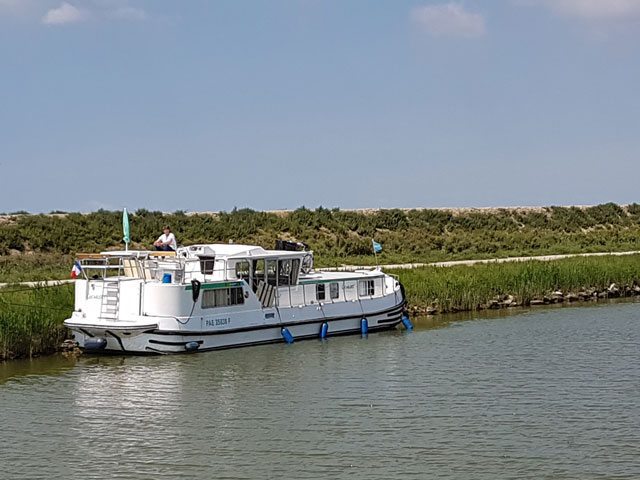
x=135 y=389
x=114 y=399
x=214 y=296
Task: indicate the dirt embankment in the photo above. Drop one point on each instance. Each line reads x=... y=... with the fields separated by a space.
x=11 y=218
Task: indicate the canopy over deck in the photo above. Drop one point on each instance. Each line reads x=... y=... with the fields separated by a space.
x=232 y=250
x=125 y=253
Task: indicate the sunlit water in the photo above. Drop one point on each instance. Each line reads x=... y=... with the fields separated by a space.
x=548 y=393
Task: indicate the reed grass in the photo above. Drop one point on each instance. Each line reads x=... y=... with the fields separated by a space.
x=472 y=287
x=31 y=319
x=35 y=267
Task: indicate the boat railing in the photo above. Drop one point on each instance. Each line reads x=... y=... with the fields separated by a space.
x=305 y=294
x=98 y=266
x=153 y=266
x=150 y=266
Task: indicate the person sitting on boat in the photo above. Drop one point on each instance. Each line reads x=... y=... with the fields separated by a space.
x=166 y=242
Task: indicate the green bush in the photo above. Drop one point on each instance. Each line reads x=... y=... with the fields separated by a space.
x=339 y=236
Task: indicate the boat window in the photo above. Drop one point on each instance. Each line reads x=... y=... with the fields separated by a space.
x=242 y=270
x=222 y=297
x=206 y=265
x=236 y=295
x=366 y=288
x=284 y=272
x=257 y=273
x=295 y=270
x=272 y=272
x=288 y=271
x=334 y=290
x=320 y=293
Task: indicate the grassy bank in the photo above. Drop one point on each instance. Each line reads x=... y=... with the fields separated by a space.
x=31 y=319
x=478 y=287
x=35 y=267
x=337 y=236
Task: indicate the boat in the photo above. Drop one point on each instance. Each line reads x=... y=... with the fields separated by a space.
x=216 y=296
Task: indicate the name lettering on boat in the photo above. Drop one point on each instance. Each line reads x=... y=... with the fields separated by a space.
x=217 y=322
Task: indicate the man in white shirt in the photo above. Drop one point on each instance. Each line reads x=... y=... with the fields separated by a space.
x=166 y=242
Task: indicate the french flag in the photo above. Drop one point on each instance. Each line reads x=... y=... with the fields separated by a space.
x=76 y=270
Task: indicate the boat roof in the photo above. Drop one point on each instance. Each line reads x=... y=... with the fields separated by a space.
x=323 y=276
x=126 y=253
x=221 y=250
x=234 y=250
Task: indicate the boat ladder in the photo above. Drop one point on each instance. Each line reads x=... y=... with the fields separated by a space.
x=110 y=300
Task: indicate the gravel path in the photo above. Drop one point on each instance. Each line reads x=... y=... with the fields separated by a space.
x=49 y=283
x=543 y=258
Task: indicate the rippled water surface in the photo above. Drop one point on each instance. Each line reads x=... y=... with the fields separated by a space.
x=549 y=393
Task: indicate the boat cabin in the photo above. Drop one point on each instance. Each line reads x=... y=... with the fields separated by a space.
x=254 y=265
x=205 y=263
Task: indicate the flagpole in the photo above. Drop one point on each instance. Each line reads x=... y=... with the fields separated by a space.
x=375 y=252
x=125 y=229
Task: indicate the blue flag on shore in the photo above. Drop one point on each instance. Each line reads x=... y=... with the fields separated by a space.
x=376 y=246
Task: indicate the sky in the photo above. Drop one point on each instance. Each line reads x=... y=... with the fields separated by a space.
x=205 y=105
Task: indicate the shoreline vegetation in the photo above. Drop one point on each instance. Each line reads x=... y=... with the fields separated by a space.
x=31 y=318
x=433 y=290
x=42 y=247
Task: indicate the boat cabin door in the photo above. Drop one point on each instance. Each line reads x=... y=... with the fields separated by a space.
x=257 y=273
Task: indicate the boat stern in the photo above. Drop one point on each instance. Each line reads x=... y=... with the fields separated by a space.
x=105 y=336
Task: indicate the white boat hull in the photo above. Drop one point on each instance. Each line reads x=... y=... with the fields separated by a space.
x=214 y=296
x=149 y=339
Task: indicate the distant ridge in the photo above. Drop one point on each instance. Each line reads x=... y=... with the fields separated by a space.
x=454 y=210
x=5 y=217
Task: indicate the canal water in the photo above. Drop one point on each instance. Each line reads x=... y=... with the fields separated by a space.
x=546 y=393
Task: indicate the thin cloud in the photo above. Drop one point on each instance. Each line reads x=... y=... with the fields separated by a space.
x=65 y=13
x=448 y=20
x=590 y=9
x=129 y=13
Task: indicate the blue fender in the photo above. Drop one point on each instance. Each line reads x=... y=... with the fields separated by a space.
x=324 y=329
x=95 y=343
x=364 y=326
x=286 y=334
x=406 y=322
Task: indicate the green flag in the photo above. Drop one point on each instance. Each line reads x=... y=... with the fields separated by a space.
x=125 y=226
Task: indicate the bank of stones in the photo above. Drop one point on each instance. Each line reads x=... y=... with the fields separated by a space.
x=558 y=296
